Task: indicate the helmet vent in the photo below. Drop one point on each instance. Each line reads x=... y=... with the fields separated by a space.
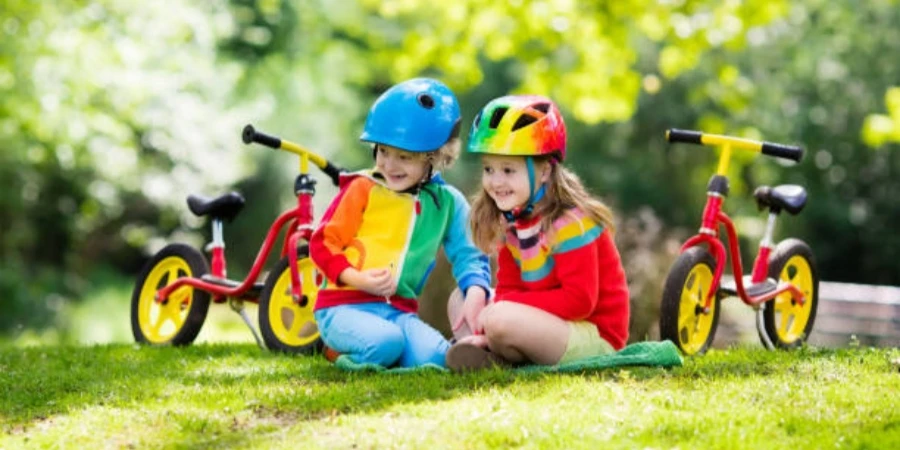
x=523 y=121
x=496 y=116
x=542 y=107
x=426 y=101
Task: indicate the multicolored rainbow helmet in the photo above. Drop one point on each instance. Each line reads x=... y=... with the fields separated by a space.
x=520 y=125
x=523 y=125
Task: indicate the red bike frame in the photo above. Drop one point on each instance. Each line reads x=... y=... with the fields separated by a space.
x=300 y=218
x=713 y=217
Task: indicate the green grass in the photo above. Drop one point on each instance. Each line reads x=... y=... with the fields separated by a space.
x=234 y=395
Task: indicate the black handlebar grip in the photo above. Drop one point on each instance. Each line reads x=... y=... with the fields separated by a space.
x=686 y=136
x=334 y=172
x=792 y=152
x=251 y=135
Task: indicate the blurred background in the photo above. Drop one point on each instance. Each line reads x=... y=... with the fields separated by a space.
x=112 y=111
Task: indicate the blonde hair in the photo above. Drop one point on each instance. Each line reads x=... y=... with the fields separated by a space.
x=444 y=157
x=564 y=192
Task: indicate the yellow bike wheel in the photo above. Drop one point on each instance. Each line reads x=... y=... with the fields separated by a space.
x=177 y=320
x=786 y=322
x=683 y=318
x=287 y=325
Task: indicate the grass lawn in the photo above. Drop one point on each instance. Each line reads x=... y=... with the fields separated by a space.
x=234 y=395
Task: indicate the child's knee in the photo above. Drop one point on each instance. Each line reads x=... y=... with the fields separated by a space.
x=386 y=349
x=498 y=325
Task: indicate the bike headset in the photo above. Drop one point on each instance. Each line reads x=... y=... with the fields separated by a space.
x=418 y=115
x=520 y=125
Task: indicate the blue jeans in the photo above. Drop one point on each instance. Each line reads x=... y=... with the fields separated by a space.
x=378 y=333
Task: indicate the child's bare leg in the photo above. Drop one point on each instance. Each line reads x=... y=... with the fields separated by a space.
x=521 y=333
x=455 y=313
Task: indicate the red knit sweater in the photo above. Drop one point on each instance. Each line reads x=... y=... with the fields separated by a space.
x=578 y=276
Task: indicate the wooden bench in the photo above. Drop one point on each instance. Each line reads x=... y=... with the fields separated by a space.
x=870 y=313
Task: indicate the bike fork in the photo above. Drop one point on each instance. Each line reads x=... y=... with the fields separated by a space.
x=760 y=273
x=219 y=270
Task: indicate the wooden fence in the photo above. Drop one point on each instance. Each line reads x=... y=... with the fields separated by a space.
x=857 y=313
x=848 y=314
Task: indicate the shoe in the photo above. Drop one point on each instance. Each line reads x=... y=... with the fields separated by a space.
x=466 y=357
x=330 y=354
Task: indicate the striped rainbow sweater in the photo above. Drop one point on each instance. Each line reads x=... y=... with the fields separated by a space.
x=578 y=276
x=369 y=226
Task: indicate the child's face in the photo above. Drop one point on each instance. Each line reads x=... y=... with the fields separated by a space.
x=505 y=179
x=401 y=169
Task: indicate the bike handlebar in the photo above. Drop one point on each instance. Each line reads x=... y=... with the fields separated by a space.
x=791 y=152
x=250 y=135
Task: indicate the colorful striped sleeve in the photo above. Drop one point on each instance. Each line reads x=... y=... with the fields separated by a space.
x=573 y=231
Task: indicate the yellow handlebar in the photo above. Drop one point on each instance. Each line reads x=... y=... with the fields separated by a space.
x=303 y=151
x=251 y=135
x=791 y=152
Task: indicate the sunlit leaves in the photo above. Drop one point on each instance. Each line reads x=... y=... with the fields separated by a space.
x=580 y=53
x=879 y=129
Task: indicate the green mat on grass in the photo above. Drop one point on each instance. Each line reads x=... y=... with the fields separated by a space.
x=344 y=362
x=659 y=354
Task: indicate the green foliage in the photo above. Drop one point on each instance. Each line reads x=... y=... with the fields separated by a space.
x=88 y=124
x=879 y=129
x=237 y=396
x=582 y=54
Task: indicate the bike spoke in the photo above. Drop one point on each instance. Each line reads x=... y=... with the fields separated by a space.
x=168 y=312
x=156 y=325
x=294 y=329
x=308 y=277
x=687 y=307
x=172 y=275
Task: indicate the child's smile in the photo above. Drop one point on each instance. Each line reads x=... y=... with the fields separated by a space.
x=401 y=169
x=505 y=179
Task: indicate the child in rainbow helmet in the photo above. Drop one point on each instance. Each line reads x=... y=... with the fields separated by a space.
x=376 y=244
x=561 y=292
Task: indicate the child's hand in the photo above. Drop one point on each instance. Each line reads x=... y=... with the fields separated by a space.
x=380 y=282
x=474 y=304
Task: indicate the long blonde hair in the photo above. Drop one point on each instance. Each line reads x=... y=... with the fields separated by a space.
x=564 y=192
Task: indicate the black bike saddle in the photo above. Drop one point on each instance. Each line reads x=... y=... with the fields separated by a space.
x=225 y=206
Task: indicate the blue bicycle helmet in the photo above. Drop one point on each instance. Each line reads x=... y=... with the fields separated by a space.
x=417 y=115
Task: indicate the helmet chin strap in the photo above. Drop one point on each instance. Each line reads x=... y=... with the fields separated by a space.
x=534 y=197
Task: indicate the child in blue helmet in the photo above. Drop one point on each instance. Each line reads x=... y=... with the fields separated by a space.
x=376 y=244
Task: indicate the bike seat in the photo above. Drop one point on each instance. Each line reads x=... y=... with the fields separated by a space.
x=790 y=197
x=225 y=206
